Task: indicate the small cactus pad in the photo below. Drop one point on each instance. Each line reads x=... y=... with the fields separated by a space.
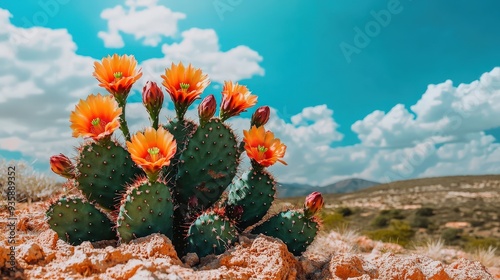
x=104 y=170
x=76 y=221
x=208 y=165
x=292 y=227
x=254 y=192
x=209 y=234
x=181 y=130
x=146 y=208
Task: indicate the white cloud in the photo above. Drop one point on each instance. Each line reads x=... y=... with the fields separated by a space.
x=200 y=47
x=443 y=113
x=143 y=19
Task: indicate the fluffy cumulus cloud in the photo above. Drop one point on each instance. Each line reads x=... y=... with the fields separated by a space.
x=143 y=19
x=444 y=113
x=200 y=47
x=42 y=78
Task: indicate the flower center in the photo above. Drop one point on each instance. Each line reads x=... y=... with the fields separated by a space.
x=96 y=121
x=184 y=86
x=118 y=75
x=153 y=153
x=261 y=149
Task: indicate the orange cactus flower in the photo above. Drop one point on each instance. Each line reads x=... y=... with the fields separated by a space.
x=184 y=85
x=235 y=99
x=96 y=117
x=262 y=147
x=117 y=74
x=152 y=150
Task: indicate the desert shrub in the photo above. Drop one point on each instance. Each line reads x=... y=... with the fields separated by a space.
x=451 y=236
x=398 y=232
x=30 y=185
x=380 y=221
x=344 y=211
x=425 y=212
x=480 y=243
x=385 y=217
x=420 y=222
x=332 y=220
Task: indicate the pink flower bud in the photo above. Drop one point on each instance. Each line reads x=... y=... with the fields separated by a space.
x=152 y=96
x=62 y=166
x=260 y=116
x=314 y=202
x=207 y=107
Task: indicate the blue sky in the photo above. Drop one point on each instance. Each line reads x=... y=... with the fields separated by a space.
x=368 y=89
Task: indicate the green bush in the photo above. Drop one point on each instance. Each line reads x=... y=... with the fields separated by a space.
x=385 y=216
x=398 y=232
x=420 y=222
x=425 y=212
x=475 y=243
x=451 y=236
x=344 y=211
x=332 y=220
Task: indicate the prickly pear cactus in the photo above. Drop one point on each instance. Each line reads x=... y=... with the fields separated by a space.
x=146 y=208
x=211 y=233
x=250 y=197
x=104 y=170
x=208 y=165
x=75 y=221
x=292 y=227
x=178 y=177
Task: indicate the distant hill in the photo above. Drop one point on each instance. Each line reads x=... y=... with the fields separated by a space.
x=344 y=186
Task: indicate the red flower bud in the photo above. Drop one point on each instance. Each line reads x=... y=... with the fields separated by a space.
x=152 y=96
x=207 y=107
x=63 y=166
x=260 y=116
x=314 y=202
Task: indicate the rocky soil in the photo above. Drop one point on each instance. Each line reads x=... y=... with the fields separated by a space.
x=39 y=254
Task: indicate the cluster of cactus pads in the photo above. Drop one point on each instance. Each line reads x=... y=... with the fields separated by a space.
x=178 y=178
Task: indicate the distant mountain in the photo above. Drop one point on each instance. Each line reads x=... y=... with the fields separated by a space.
x=344 y=186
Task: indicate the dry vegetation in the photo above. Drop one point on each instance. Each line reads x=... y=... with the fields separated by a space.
x=460 y=212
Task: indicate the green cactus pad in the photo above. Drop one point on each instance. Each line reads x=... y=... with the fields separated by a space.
x=104 y=170
x=146 y=208
x=76 y=221
x=209 y=234
x=254 y=193
x=181 y=130
x=292 y=227
x=207 y=166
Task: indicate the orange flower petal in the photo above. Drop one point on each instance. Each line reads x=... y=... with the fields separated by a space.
x=96 y=117
x=235 y=99
x=262 y=147
x=111 y=65
x=152 y=149
x=184 y=85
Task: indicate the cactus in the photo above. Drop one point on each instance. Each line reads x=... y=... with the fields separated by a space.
x=75 y=221
x=208 y=165
x=104 y=169
x=210 y=233
x=292 y=227
x=145 y=209
x=177 y=178
x=250 y=197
